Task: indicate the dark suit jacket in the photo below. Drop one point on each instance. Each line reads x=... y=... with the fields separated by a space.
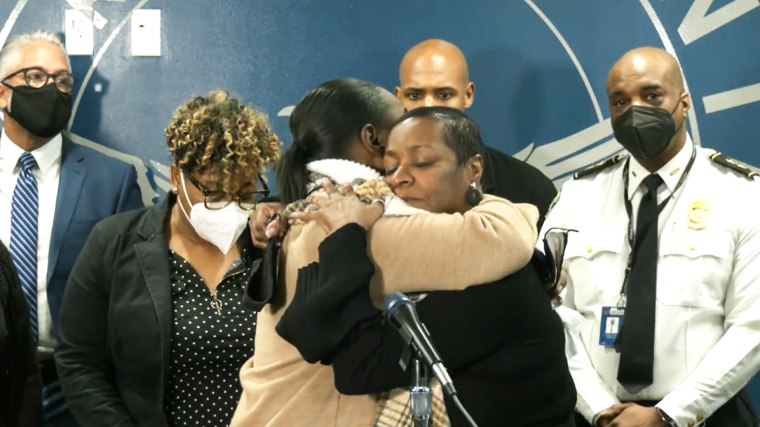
x=517 y=181
x=92 y=186
x=113 y=356
x=115 y=324
x=20 y=387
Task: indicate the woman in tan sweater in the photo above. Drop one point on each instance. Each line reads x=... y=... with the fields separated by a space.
x=506 y=360
x=351 y=119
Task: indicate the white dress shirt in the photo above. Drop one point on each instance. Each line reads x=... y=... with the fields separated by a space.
x=707 y=333
x=48 y=172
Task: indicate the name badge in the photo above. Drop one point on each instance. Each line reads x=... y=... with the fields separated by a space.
x=612 y=321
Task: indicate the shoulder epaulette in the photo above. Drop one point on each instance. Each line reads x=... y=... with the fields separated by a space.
x=732 y=164
x=604 y=164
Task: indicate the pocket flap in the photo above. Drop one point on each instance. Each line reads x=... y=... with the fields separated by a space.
x=587 y=245
x=696 y=243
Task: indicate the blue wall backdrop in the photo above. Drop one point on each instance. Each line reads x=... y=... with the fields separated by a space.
x=540 y=66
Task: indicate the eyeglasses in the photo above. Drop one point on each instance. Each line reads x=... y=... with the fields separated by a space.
x=37 y=78
x=215 y=200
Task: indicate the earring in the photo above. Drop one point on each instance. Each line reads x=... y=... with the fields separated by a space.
x=473 y=196
x=174 y=190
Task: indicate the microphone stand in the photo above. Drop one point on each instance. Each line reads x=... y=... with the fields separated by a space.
x=420 y=395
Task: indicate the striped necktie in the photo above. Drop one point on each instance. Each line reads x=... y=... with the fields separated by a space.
x=24 y=212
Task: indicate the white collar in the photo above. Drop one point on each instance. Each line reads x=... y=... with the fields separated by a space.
x=670 y=173
x=342 y=171
x=45 y=156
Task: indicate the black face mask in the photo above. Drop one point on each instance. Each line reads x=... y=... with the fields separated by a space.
x=645 y=131
x=43 y=112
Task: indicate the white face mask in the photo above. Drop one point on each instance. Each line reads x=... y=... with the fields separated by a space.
x=222 y=227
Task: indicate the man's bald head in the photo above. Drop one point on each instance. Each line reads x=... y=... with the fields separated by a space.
x=650 y=60
x=435 y=73
x=649 y=78
x=434 y=50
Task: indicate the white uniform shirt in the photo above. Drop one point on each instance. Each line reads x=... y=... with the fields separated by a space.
x=707 y=331
x=48 y=172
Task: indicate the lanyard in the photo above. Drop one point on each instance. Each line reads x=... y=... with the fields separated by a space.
x=629 y=211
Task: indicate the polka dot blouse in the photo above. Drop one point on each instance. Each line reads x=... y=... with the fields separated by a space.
x=212 y=336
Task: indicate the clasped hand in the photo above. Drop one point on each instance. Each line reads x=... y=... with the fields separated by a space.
x=337 y=209
x=630 y=415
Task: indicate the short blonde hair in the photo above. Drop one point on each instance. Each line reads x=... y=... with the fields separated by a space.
x=218 y=134
x=9 y=55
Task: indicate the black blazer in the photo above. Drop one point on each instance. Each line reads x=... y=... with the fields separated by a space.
x=501 y=342
x=113 y=356
x=20 y=387
x=517 y=181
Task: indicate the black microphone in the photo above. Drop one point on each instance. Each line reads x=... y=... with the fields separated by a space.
x=400 y=312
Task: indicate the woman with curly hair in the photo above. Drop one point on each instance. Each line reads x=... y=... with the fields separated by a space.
x=152 y=326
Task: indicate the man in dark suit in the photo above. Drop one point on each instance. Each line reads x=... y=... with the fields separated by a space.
x=52 y=191
x=435 y=73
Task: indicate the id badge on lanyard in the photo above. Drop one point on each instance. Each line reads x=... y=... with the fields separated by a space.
x=613 y=316
x=612 y=322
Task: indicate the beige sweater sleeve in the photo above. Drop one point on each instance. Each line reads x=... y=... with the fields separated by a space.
x=428 y=252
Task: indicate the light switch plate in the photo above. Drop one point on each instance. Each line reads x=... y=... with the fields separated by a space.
x=80 y=34
x=146 y=32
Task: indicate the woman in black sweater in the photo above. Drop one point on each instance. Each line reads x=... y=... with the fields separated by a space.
x=501 y=342
x=20 y=386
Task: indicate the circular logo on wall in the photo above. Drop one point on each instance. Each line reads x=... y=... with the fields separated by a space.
x=539 y=66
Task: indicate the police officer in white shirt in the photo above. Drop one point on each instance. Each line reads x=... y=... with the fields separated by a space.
x=705 y=282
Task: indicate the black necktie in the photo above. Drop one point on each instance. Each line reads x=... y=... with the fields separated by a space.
x=637 y=336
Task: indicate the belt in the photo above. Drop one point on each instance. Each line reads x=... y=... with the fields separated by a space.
x=44 y=354
x=46 y=361
x=647 y=403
